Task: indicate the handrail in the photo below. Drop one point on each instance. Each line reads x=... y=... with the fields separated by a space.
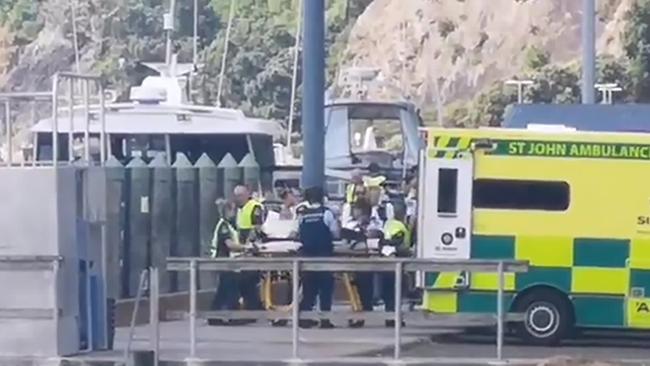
x=343 y=264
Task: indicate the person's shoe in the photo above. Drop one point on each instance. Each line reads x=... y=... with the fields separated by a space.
x=279 y=323
x=356 y=323
x=326 y=324
x=391 y=323
x=217 y=322
x=307 y=323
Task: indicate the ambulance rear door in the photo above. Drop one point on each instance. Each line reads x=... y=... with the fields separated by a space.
x=445 y=205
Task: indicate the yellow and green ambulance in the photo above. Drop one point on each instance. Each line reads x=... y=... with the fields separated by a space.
x=575 y=204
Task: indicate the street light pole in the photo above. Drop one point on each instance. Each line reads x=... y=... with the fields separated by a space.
x=313 y=76
x=588 y=50
x=521 y=84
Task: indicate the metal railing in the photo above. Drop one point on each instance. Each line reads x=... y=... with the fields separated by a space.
x=149 y=280
x=338 y=264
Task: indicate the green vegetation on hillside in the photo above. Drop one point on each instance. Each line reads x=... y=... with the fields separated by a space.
x=260 y=55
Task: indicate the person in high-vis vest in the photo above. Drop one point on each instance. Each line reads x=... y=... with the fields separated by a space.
x=225 y=243
x=353 y=188
x=396 y=242
x=250 y=218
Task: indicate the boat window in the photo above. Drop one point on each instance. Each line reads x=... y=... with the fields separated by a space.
x=376 y=135
x=521 y=194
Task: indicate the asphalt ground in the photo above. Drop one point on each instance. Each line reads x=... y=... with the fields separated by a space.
x=613 y=347
x=261 y=344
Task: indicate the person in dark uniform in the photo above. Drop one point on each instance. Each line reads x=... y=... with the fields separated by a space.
x=250 y=218
x=317 y=229
x=225 y=243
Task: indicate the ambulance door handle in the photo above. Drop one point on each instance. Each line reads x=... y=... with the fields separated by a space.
x=461 y=232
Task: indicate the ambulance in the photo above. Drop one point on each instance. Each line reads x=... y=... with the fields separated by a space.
x=574 y=204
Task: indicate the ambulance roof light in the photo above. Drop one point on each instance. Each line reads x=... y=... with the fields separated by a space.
x=549 y=128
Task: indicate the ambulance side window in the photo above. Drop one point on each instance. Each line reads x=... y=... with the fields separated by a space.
x=504 y=194
x=447 y=190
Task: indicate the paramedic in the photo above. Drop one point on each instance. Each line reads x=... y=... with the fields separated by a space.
x=225 y=243
x=396 y=242
x=250 y=219
x=352 y=189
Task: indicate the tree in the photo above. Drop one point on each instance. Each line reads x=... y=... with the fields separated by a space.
x=636 y=43
x=536 y=58
x=554 y=84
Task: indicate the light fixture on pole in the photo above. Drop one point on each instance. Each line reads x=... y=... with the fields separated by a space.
x=520 y=88
x=607 y=90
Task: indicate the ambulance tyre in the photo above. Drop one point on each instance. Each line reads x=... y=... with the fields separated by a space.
x=548 y=317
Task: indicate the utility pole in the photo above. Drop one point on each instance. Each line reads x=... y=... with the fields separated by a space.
x=588 y=50
x=313 y=76
x=520 y=84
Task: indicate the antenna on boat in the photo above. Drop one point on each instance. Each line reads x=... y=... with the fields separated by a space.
x=294 y=77
x=169 y=28
x=231 y=14
x=73 y=8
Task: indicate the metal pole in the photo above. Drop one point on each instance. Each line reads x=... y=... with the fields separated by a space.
x=75 y=41
x=86 y=87
x=104 y=261
x=102 y=122
x=193 y=267
x=500 y=313
x=398 y=309
x=55 y=120
x=294 y=77
x=71 y=119
x=588 y=50
x=295 y=310
x=134 y=314
x=224 y=57
x=154 y=320
x=10 y=158
x=168 y=51
x=520 y=93
x=313 y=75
x=195 y=39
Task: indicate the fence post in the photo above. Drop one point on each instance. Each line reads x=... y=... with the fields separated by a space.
x=193 y=268
x=154 y=314
x=295 y=309
x=398 y=309
x=500 y=312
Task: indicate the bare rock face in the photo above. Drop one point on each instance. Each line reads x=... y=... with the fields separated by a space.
x=451 y=49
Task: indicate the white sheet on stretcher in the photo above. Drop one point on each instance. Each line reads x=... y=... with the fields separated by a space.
x=275 y=227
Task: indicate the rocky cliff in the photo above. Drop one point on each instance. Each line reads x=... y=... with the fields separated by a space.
x=455 y=48
x=427 y=50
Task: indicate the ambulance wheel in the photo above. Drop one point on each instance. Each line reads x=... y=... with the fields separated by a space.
x=548 y=317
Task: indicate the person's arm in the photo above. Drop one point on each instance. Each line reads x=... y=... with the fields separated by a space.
x=258 y=221
x=390 y=211
x=258 y=217
x=331 y=223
